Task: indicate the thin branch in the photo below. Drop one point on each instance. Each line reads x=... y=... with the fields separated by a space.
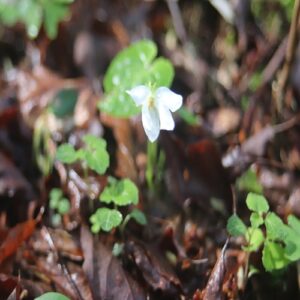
x=289 y=57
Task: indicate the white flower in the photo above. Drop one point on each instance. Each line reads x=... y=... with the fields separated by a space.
x=156 y=107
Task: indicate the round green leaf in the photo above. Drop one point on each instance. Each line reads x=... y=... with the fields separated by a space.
x=94 y=142
x=162 y=72
x=257 y=203
x=128 y=63
x=63 y=206
x=97 y=160
x=105 y=219
x=66 y=153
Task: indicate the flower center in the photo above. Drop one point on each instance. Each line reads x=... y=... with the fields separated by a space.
x=151 y=102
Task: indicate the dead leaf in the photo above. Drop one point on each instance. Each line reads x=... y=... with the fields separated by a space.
x=196 y=172
x=15 y=237
x=155 y=271
x=125 y=146
x=7 y=285
x=224 y=120
x=107 y=278
x=64 y=242
x=221 y=273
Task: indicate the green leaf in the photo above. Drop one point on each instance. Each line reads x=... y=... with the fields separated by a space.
x=52 y=296
x=256 y=219
x=66 y=153
x=31 y=13
x=56 y=220
x=53 y=14
x=249 y=182
x=187 y=116
x=64 y=102
x=105 y=219
x=94 y=142
x=120 y=192
x=95 y=154
x=127 y=64
x=273 y=256
x=55 y=196
x=294 y=222
x=276 y=229
x=63 y=206
x=255 y=238
x=119 y=104
x=133 y=66
x=97 y=160
x=138 y=216
x=257 y=203
x=162 y=72
x=235 y=226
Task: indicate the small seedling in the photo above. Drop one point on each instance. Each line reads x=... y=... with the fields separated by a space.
x=94 y=155
x=59 y=204
x=119 y=193
x=280 y=241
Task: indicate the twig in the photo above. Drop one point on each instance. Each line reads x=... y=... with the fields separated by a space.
x=289 y=57
x=64 y=268
x=177 y=20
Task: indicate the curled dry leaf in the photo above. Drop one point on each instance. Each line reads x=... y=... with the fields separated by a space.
x=154 y=269
x=225 y=268
x=107 y=278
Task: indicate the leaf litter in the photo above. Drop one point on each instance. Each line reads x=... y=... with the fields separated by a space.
x=227 y=73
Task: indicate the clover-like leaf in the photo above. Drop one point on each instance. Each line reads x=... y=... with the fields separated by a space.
x=257 y=203
x=63 y=206
x=105 y=219
x=235 y=226
x=120 y=192
x=135 y=65
x=66 y=153
x=128 y=64
x=55 y=195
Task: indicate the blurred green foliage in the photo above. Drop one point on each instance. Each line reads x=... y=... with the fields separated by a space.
x=35 y=13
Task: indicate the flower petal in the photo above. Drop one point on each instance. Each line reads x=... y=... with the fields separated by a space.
x=165 y=117
x=168 y=98
x=139 y=94
x=150 y=120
